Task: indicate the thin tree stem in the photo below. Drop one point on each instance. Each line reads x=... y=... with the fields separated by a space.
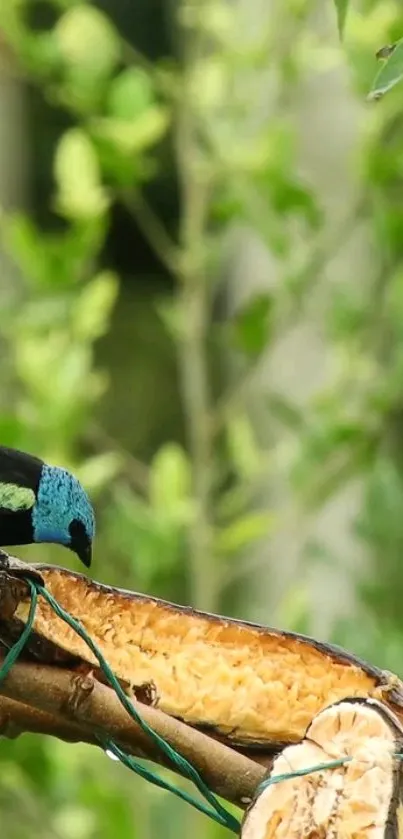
x=196 y=402
x=152 y=228
x=194 y=305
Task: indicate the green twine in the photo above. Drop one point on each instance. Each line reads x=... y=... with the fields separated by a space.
x=141 y=770
x=299 y=773
x=216 y=811
x=15 y=651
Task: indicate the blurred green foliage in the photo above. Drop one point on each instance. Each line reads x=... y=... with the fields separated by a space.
x=95 y=371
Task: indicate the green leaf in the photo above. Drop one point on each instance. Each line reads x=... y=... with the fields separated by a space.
x=251 y=325
x=170 y=479
x=152 y=540
x=41 y=54
x=93 y=306
x=242 y=447
x=136 y=135
x=51 y=259
x=23 y=241
x=81 y=195
x=243 y=532
x=285 y=412
x=291 y=198
x=209 y=83
x=341 y=11
x=391 y=72
x=172 y=316
x=87 y=41
x=130 y=94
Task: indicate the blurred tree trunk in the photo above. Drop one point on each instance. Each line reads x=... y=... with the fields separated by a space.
x=13 y=181
x=327 y=124
x=13 y=152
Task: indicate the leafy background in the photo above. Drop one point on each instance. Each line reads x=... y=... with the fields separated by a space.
x=201 y=292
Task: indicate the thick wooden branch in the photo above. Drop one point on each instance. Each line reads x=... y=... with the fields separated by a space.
x=17 y=718
x=78 y=707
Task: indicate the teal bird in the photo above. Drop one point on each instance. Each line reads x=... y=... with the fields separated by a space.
x=41 y=503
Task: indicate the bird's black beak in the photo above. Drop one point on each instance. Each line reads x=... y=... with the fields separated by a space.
x=80 y=544
x=85 y=554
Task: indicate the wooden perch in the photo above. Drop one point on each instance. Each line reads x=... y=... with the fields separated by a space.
x=77 y=707
x=17 y=718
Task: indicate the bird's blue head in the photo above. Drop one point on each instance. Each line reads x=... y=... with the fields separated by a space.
x=62 y=512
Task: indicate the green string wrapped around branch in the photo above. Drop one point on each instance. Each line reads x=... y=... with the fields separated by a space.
x=216 y=810
x=300 y=773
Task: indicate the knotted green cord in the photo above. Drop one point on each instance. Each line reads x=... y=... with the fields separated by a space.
x=216 y=811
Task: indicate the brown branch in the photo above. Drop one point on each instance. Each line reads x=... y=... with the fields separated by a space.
x=17 y=718
x=77 y=707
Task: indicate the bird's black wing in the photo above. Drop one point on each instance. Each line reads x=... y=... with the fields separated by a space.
x=20 y=475
x=20 y=468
